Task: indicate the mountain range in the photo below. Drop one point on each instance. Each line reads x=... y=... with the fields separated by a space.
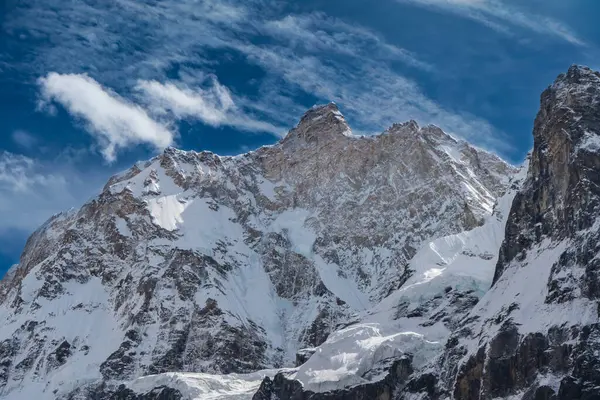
x=405 y=265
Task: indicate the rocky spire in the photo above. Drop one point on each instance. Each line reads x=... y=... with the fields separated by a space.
x=322 y=123
x=565 y=158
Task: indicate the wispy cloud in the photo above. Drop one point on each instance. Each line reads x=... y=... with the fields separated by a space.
x=29 y=193
x=318 y=32
x=377 y=102
x=113 y=120
x=501 y=17
x=19 y=173
x=210 y=105
x=214 y=105
x=31 y=189
x=24 y=139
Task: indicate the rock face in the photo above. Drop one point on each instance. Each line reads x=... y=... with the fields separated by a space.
x=200 y=263
x=535 y=334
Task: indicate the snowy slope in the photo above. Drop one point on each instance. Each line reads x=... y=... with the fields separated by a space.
x=449 y=274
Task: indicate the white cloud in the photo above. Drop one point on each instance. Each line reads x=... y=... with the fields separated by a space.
x=497 y=14
x=210 y=105
x=214 y=105
x=113 y=120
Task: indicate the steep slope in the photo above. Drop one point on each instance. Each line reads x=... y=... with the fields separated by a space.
x=200 y=263
x=382 y=347
x=535 y=334
x=387 y=350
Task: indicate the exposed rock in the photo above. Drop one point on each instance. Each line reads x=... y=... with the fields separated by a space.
x=303 y=355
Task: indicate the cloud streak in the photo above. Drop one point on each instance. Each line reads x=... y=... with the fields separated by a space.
x=29 y=193
x=319 y=33
x=24 y=139
x=499 y=16
x=377 y=102
x=214 y=105
x=114 y=121
x=19 y=174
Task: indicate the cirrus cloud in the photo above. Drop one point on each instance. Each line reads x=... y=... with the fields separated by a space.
x=301 y=56
x=24 y=139
x=214 y=106
x=497 y=15
x=19 y=174
x=30 y=191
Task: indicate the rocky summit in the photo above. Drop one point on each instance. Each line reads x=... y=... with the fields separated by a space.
x=327 y=266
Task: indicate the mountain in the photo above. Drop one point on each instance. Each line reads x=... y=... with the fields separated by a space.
x=351 y=252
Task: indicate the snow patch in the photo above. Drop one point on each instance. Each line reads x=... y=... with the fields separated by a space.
x=167 y=211
x=348 y=355
x=590 y=142
x=197 y=386
x=292 y=222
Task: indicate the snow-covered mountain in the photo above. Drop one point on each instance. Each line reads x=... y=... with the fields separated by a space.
x=327 y=266
x=358 y=251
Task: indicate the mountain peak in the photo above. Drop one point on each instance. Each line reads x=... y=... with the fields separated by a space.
x=410 y=126
x=431 y=134
x=319 y=124
x=569 y=112
x=321 y=109
x=577 y=74
x=579 y=86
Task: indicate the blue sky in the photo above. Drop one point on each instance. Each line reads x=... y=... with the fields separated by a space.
x=89 y=87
